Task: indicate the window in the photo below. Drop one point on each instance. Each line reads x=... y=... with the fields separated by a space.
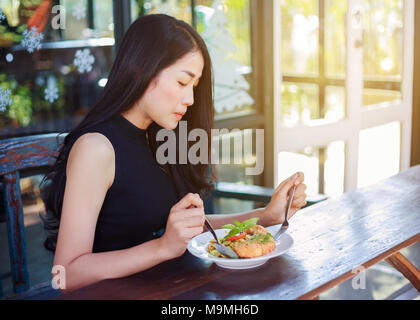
x=346 y=78
x=383 y=51
x=56 y=77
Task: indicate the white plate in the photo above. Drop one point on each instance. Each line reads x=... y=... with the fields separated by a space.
x=198 y=247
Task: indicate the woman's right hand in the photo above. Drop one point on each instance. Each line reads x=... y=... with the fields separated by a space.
x=185 y=221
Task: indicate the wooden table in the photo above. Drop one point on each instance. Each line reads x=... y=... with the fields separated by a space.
x=331 y=241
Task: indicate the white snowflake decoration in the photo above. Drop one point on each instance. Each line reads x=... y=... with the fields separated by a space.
x=2 y=15
x=83 y=60
x=79 y=11
x=9 y=57
x=32 y=40
x=51 y=94
x=5 y=99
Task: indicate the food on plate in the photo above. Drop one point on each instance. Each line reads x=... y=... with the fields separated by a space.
x=247 y=239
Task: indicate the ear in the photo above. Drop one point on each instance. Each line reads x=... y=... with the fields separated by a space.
x=153 y=84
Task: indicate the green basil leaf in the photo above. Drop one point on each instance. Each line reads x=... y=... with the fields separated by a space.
x=232 y=233
x=238 y=224
x=228 y=226
x=249 y=223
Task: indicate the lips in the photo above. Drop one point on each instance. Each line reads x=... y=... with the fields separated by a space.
x=179 y=114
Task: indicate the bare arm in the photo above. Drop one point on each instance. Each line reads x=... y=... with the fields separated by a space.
x=93 y=267
x=90 y=172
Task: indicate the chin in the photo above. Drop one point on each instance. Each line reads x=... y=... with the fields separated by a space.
x=169 y=125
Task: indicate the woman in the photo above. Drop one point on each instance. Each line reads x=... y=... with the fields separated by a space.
x=108 y=193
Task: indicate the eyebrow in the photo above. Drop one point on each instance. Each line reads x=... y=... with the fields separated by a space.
x=192 y=75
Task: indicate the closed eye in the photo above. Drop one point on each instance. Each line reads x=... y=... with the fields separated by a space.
x=184 y=85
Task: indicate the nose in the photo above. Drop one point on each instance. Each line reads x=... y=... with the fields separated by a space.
x=189 y=98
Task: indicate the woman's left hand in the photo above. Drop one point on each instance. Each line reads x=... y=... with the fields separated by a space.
x=274 y=211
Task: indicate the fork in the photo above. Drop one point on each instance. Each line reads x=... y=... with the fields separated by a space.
x=285 y=224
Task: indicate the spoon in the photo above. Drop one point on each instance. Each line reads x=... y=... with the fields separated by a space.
x=220 y=247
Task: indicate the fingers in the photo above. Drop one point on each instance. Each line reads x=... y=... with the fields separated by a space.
x=186 y=213
x=300 y=178
x=287 y=184
x=299 y=203
x=300 y=196
x=300 y=190
x=190 y=200
x=192 y=221
x=187 y=218
x=190 y=226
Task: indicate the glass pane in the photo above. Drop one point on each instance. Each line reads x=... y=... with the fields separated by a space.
x=335 y=38
x=228 y=147
x=76 y=19
x=51 y=76
x=70 y=20
x=300 y=28
x=227 y=32
x=135 y=7
x=334 y=103
x=227 y=206
x=180 y=9
x=383 y=42
x=300 y=103
x=103 y=18
x=231 y=169
x=238 y=25
x=375 y=96
x=305 y=103
x=379 y=153
x=310 y=162
x=78 y=24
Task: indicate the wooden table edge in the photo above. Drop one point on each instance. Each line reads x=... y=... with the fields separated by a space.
x=313 y=294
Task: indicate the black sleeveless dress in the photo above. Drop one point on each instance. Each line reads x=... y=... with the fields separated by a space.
x=137 y=205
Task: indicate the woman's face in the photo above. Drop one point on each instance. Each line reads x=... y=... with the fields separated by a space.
x=171 y=93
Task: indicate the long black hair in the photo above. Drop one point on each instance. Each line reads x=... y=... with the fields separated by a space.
x=151 y=44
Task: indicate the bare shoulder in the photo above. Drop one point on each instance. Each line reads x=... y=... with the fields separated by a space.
x=94 y=141
x=92 y=151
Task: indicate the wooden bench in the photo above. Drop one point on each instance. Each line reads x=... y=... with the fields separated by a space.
x=19 y=158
